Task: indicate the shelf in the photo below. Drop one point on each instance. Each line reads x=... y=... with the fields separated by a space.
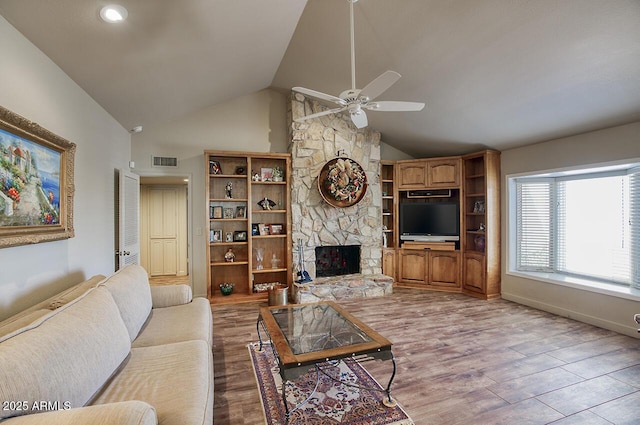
x=228 y=176
x=473 y=251
x=475 y=214
x=388 y=197
x=247 y=214
x=476 y=232
x=268 y=211
x=475 y=195
x=386 y=181
x=474 y=176
x=228 y=199
x=278 y=270
x=229 y=263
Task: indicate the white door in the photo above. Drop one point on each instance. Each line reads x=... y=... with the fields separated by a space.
x=163 y=231
x=128 y=220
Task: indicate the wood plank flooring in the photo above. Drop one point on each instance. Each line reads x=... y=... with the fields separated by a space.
x=462 y=361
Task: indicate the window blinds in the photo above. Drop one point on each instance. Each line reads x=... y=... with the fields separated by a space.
x=535 y=227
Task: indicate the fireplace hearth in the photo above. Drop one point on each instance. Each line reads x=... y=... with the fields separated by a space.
x=337 y=260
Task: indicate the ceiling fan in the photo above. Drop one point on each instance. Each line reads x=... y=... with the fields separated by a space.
x=356 y=101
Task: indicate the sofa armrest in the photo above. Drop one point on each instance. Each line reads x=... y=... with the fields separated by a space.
x=122 y=413
x=169 y=295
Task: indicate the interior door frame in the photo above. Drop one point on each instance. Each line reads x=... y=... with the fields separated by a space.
x=189 y=177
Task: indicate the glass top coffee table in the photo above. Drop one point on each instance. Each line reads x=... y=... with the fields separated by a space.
x=305 y=335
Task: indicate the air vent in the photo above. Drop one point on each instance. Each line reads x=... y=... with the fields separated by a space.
x=164 y=161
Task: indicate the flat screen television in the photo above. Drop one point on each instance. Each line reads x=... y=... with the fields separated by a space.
x=438 y=221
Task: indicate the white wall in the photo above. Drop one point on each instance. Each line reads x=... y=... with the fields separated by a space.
x=613 y=144
x=34 y=87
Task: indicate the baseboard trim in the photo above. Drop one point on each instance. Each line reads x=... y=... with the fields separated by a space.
x=575 y=315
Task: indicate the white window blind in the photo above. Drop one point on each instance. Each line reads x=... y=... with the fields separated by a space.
x=634 y=224
x=535 y=227
x=593 y=230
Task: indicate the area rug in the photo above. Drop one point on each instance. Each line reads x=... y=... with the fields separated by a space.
x=332 y=402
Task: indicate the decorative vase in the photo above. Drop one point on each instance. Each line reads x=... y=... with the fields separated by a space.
x=226 y=288
x=479 y=242
x=259 y=258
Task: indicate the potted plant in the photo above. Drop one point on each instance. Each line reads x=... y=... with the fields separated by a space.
x=278 y=174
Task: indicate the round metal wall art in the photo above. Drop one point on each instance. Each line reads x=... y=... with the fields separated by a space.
x=342 y=182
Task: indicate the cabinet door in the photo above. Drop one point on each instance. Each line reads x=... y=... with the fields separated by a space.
x=413 y=266
x=474 y=273
x=389 y=262
x=444 y=270
x=412 y=175
x=443 y=173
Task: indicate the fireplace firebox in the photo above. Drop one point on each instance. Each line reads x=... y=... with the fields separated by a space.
x=337 y=260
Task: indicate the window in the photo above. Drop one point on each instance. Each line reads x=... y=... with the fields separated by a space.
x=584 y=224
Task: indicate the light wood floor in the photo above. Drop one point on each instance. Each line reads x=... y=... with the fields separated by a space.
x=462 y=361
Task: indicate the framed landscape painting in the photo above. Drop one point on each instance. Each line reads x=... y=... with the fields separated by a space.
x=36 y=183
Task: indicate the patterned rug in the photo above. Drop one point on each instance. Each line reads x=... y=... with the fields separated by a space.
x=332 y=402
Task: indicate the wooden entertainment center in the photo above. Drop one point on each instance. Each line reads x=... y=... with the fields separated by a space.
x=470 y=265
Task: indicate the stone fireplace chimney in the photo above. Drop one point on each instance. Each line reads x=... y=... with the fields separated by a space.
x=315 y=222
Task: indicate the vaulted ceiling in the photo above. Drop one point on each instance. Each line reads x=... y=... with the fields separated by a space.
x=493 y=73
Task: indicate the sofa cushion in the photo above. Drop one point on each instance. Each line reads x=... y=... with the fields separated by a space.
x=20 y=321
x=175 y=378
x=74 y=292
x=32 y=313
x=124 y=413
x=130 y=290
x=178 y=323
x=169 y=295
x=65 y=356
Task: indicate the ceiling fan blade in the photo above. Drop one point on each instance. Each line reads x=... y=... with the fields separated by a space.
x=360 y=119
x=380 y=84
x=319 y=114
x=391 y=106
x=319 y=95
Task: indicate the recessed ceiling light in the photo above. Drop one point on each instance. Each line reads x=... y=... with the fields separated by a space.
x=113 y=13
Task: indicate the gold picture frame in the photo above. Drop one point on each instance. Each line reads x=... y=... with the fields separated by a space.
x=36 y=183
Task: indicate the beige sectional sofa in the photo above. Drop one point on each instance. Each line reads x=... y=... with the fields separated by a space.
x=109 y=351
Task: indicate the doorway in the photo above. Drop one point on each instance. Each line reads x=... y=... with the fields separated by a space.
x=165 y=228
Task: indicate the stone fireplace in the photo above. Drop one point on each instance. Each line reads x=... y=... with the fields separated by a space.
x=316 y=223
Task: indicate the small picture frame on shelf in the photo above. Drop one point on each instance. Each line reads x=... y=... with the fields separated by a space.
x=240 y=236
x=241 y=212
x=228 y=213
x=229 y=237
x=266 y=174
x=214 y=167
x=216 y=212
x=478 y=207
x=263 y=229
x=276 y=229
x=255 y=231
x=217 y=235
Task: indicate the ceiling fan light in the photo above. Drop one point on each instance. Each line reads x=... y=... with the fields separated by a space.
x=113 y=13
